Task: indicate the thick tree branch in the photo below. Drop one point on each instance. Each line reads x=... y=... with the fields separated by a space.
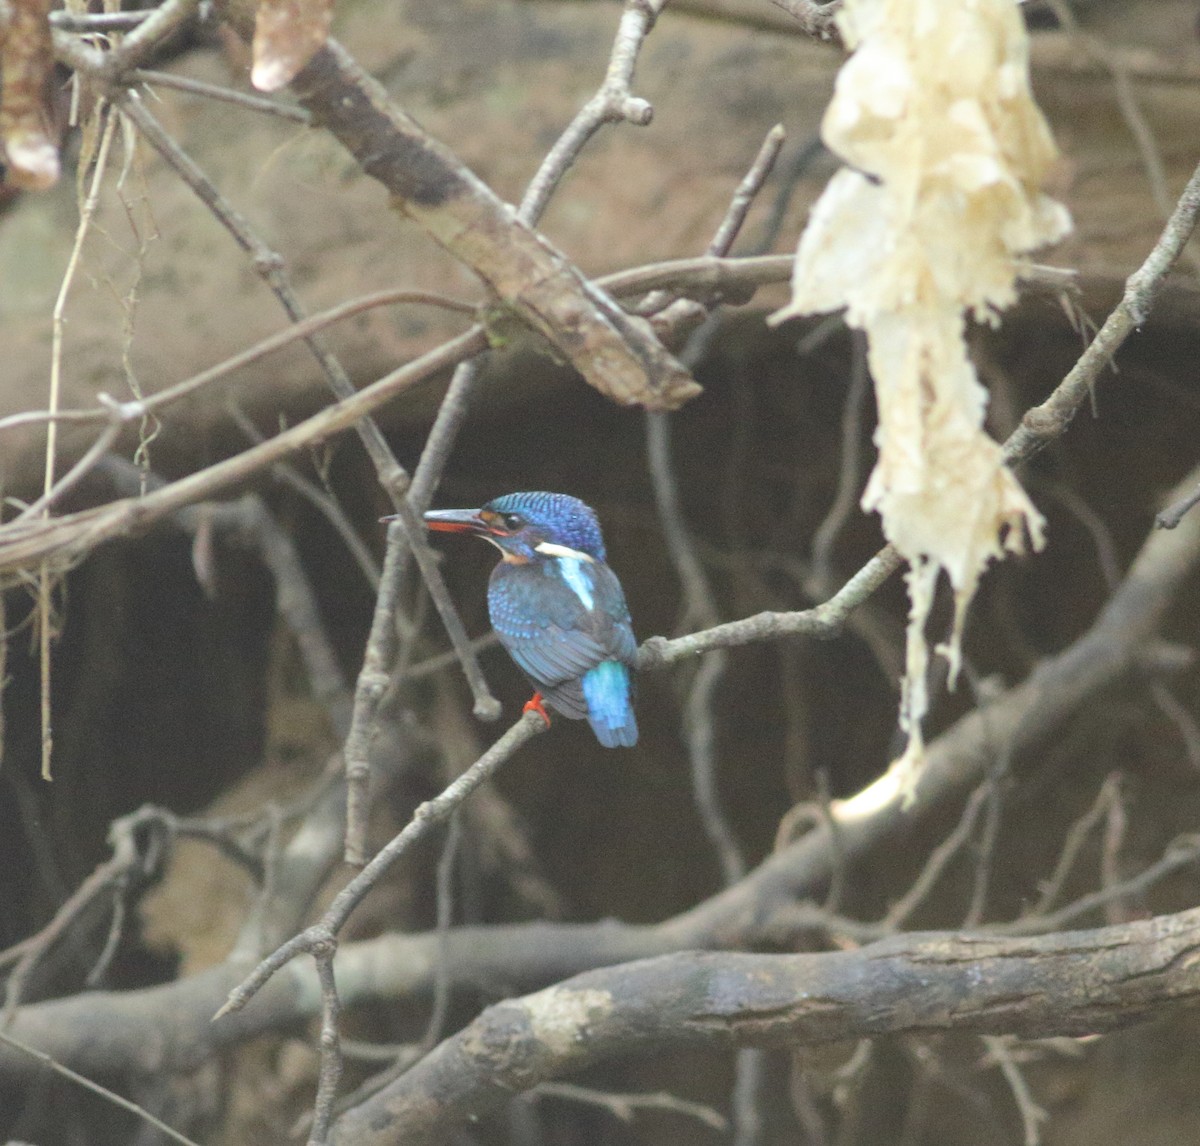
x=616 y=353
x=1072 y=983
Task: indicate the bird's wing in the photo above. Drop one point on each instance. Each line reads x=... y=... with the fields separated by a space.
x=550 y=631
x=616 y=624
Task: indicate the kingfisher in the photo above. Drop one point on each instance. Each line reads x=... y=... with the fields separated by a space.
x=557 y=607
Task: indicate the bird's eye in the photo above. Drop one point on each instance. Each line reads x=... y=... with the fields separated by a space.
x=513 y=522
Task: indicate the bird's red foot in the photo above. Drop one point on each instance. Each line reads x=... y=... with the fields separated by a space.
x=534 y=704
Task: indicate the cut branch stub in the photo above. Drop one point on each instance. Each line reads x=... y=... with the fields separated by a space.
x=286 y=35
x=26 y=124
x=615 y=352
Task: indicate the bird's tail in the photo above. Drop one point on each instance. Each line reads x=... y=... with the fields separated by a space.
x=609 y=693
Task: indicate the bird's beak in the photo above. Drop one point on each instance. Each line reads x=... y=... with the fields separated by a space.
x=456 y=521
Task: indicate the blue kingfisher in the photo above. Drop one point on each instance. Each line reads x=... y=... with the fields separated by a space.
x=557 y=607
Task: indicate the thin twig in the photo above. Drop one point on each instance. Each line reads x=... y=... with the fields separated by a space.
x=486 y=706
x=1102 y=538
x=444 y=978
x=369 y=688
x=128 y=857
x=1076 y=837
x=246 y=100
x=749 y=1096
x=1181 y=717
x=747 y=191
x=101 y=446
x=96 y=1088
x=824 y=808
x=424 y=820
x=849 y=471
x=297 y=606
x=1127 y=103
x=1111 y=841
x=325 y=503
x=1182 y=853
x=731 y=223
x=625 y=1106
x=999 y=754
x=1032 y=1115
x=330 y=1042
x=107 y=128
x=189 y=386
x=1042 y=424
x=98 y=21
x=440 y=661
x=698 y=726
x=937 y=862
x=824 y=621
x=612 y=103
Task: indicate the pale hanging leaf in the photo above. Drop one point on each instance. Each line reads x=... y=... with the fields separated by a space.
x=26 y=121
x=927 y=226
x=287 y=34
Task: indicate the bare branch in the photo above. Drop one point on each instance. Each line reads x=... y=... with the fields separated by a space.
x=49 y=1063
x=196 y=87
x=189 y=386
x=1076 y=837
x=97 y=21
x=1032 y=1115
x=130 y=856
x=1029 y=987
x=68 y=537
x=1044 y=423
x=824 y=621
x=614 y=352
x=626 y=1106
x=1173 y=514
x=330 y=1042
x=324 y=503
x=612 y=103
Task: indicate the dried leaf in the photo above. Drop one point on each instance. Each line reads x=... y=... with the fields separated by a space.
x=287 y=34
x=947 y=148
x=26 y=122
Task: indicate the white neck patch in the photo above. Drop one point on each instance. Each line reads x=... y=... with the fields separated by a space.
x=552 y=550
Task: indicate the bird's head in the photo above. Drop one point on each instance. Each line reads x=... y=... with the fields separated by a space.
x=528 y=526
